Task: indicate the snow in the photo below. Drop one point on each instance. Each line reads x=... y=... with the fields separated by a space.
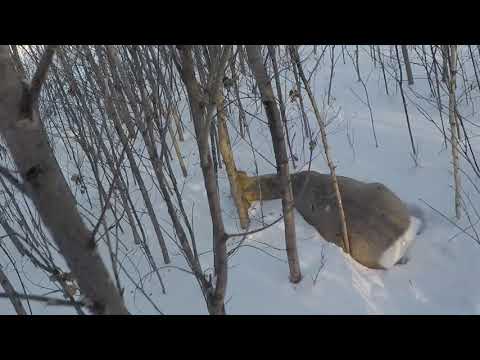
x=441 y=276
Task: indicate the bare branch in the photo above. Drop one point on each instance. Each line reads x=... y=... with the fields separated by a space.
x=110 y=192
x=13 y=180
x=41 y=73
x=11 y=293
x=256 y=230
x=41 y=298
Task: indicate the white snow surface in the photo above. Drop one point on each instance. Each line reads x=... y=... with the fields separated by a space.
x=441 y=276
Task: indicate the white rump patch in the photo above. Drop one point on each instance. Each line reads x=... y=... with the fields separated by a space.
x=400 y=247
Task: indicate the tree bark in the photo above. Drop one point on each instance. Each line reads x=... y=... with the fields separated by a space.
x=10 y=291
x=451 y=57
x=229 y=161
x=271 y=52
x=400 y=84
x=27 y=140
x=322 y=126
x=408 y=66
x=275 y=123
x=200 y=104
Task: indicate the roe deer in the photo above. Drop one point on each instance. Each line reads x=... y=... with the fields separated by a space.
x=379 y=224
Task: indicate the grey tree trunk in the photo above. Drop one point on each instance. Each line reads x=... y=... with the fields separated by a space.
x=27 y=140
x=451 y=55
x=259 y=72
x=10 y=291
x=202 y=115
x=323 y=131
x=408 y=66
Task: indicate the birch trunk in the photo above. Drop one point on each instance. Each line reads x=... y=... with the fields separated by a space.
x=408 y=66
x=322 y=126
x=200 y=105
x=454 y=136
x=259 y=72
x=46 y=186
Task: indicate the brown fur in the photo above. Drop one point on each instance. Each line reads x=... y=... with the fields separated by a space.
x=375 y=216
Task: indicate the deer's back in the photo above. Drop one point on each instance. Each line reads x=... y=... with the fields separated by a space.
x=376 y=218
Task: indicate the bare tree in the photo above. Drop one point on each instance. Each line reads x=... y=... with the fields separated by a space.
x=203 y=105
x=408 y=66
x=271 y=53
x=451 y=56
x=400 y=84
x=227 y=155
x=26 y=138
x=115 y=117
x=10 y=291
x=281 y=157
x=322 y=126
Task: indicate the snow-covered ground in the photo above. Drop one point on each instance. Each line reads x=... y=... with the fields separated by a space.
x=440 y=278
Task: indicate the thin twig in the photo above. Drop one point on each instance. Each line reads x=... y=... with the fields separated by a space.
x=13 y=180
x=450 y=221
x=41 y=73
x=48 y=300
x=110 y=192
x=256 y=230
